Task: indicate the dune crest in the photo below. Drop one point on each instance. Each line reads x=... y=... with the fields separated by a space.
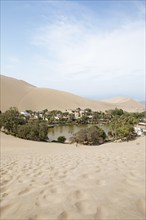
x=20 y=94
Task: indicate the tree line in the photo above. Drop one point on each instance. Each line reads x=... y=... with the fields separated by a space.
x=12 y=122
x=120 y=126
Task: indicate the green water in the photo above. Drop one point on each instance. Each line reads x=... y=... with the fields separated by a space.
x=68 y=130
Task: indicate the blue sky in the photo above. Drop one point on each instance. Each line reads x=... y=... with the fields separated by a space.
x=95 y=49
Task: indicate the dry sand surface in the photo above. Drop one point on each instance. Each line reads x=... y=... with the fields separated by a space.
x=56 y=181
x=17 y=93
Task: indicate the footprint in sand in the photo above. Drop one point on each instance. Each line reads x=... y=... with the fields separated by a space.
x=5 y=182
x=85 y=207
x=101 y=213
x=4 y=173
x=101 y=182
x=41 y=216
x=65 y=172
x=63 y=215
x=47 y=183
x=4 y=194
x=55 y=190
x=26 y=190
x=33 y=181
x=132 y=174
x=81 y=206
x=78 y=195
x=97 y=170
x=32 y=217
x=88 y=176
x=62 y=176
x=38 y=174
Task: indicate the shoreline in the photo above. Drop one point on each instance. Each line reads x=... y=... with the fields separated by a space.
x=74 y=143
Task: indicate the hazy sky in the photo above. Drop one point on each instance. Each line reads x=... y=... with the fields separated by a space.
x=91 y=48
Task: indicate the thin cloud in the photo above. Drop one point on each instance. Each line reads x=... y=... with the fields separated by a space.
x=73 y=47
x=81 y=47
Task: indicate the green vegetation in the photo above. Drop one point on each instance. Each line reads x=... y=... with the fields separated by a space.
x=118 y=130
x=10 y=120
x=34 y=126
x=15 y=124
x=117 y=112
x=37 y=131
x=90 y=136
x=61 y=139
x=122 y=126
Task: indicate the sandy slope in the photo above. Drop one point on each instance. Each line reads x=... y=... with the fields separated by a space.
x=117 y=100
x=12 y=91
x=25 y=96
x=125 y=103
x=55 y=181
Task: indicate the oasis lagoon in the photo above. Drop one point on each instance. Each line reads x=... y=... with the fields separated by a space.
x=69 y=130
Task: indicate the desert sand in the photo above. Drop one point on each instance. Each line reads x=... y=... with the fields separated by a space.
x=62 y=181
x=20 y=94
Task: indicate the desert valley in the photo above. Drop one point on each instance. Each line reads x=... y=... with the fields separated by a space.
x=73 y=110
x=41 y=180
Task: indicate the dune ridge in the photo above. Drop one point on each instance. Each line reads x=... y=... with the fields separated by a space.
x=117 y=100
x=20 y=94
x=44 y=181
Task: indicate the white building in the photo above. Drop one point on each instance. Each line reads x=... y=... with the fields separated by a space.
x=138 y=131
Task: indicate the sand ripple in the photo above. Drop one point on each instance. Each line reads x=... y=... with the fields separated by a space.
x=46 y=181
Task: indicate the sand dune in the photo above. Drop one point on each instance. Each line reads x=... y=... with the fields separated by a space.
x=126 y=104
x=117 y=100
x=12 y=91
x=25 y=96
x=56 y=181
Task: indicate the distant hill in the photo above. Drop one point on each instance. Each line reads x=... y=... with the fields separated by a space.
x=126 y=104
x=24 y=96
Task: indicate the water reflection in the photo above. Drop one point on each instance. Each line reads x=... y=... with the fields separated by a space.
x=68 y=131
